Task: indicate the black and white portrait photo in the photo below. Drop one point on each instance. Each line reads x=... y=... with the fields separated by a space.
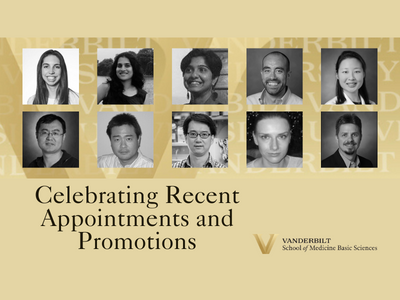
x=199 y=139
x=274 y=76
x=349 y=140
x=50 y=76
x=349 y=76
x=274 y=139
x=50 y=139
x=125 y=76
x=200 y=76
x=125 y=140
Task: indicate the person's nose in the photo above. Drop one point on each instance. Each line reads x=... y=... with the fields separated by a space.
x=123 y=143
x=274 y=144
x=194 y=74
x=198 y=138
x=351 y=76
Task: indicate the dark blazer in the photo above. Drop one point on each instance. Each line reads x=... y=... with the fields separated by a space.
x=336 y=161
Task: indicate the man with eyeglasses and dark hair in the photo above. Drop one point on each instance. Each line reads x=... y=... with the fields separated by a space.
x=199 y=131
x=50 y=135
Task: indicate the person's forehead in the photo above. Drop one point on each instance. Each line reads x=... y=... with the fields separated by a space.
x=123 y=130
x=51 y=126
x=349 y=127
x=350 y=63
x=51 y=59
x=275 y=59
x=198 y=60
x=123 y=60
x=198 y=126
x=272 y=125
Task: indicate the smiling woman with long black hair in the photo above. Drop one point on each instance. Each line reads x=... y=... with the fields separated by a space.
x=350 y=80
x=125 y=83
x=52 y=81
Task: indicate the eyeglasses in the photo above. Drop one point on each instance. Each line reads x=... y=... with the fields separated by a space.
x=46 y=133
x=204 y=135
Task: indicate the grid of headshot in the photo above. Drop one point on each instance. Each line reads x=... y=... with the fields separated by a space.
x=199 y=108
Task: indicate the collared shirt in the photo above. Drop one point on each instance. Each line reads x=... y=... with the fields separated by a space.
x=66 y=161
x=112 y=161
x=210 y=163
x=264 y=98
x=348 y=161
x=348 y=101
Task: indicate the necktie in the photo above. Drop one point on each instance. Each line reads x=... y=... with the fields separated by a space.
x=352 y=164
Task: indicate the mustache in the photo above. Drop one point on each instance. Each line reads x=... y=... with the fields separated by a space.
x=350 y=143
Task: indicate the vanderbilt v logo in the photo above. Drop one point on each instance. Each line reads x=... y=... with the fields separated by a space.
x=265 y=249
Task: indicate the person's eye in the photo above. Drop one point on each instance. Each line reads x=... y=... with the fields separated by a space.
x=127 y=65
x=279 y=71
x=266 y=71
x=116 y=139
x=264 y=137
x=58 y=67
x=283 y=136
x=45 y=66
x=119 y=66
x=188 y=70
x=203 y=70
x=129 y=139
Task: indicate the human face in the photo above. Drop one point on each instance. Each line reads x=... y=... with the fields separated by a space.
x=125 y=143
x=349 y=138
x=197 y=77
x=350 y=75
x=124 y=69
x=50 y=137
x=198 y=146
x=272 y=136
x=51 y=70
x=274 y=75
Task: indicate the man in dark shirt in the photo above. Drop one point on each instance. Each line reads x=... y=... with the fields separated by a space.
x=348 y=135
x=50 y=135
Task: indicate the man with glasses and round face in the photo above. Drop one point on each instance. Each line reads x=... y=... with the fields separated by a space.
x=50 y=135
x=199 y=131
x=275 y=73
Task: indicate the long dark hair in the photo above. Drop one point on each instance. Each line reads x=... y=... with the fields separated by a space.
x=116 y=86
x=42 y=93
x=363 y=89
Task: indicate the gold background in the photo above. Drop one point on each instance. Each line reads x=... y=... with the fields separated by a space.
x=353 y=207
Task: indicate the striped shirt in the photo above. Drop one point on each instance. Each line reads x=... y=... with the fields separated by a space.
x=210 y=163
x=112 y=161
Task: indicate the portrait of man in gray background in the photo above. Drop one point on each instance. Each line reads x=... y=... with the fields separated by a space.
x=274 y=76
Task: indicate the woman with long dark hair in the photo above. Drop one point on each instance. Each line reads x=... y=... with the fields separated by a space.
x=52 y=81
x=125 y=83
x=350 y=80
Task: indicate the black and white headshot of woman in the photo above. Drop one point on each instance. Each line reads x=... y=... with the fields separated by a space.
x=349 y=76
x=125 y=76
x=200 y=76
x=50 y=76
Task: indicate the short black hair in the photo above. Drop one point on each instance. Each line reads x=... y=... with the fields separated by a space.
x=348 y=119
x=277 y=53
x=201 y=118
x=124 y=119
x=50 y=118
x=212 y=60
